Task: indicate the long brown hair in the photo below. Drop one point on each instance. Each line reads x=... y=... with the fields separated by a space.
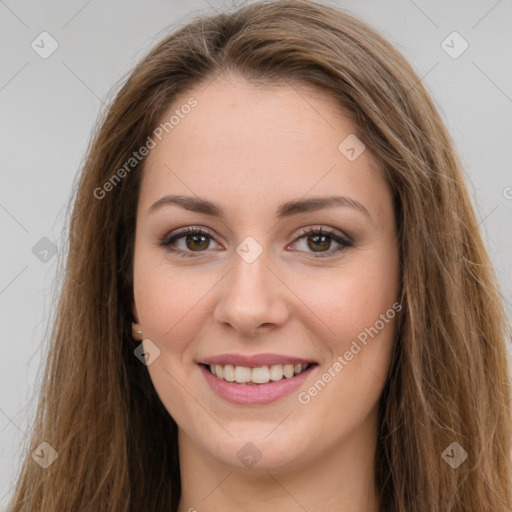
x=448 y=381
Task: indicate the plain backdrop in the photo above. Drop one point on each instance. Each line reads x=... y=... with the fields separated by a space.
x=50 y=105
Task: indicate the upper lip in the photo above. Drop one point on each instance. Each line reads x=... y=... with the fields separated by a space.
x=253 y=361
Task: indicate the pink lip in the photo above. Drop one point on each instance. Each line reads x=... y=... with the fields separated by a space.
x=253 y=361
x=255 y=394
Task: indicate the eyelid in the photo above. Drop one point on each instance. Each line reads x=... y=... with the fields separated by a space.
x=343 y=240
x=325 y=229
x=181 y=232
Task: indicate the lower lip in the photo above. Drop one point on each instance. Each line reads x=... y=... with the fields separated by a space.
x=254 y=394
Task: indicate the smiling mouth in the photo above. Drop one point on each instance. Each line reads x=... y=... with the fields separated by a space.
x=256 y=376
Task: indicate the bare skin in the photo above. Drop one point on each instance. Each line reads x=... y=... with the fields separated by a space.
x=250 y=150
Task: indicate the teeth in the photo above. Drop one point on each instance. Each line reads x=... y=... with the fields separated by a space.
x=260 y=375
x=242 y=374
x=288 y=370
x=219 y=371
x=276 y=372
x=229 y=372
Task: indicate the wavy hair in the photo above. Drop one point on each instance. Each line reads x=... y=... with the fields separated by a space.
x=448 y=381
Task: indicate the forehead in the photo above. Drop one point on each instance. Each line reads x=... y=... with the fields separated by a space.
x=256 y=142
x=232 y=112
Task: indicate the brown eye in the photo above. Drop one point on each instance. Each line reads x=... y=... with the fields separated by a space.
x=319 y=241
x=195 y=241
x=199 y=241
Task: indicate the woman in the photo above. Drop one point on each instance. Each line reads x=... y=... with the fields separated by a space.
x=276 y=292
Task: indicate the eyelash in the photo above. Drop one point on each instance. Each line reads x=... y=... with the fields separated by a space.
x=344 y=242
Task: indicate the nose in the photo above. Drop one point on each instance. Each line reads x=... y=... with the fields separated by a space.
x=253 y=298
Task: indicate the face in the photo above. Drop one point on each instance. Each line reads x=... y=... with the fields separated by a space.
x=264 y=280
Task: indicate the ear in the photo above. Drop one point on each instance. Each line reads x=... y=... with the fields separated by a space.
x=136 y=328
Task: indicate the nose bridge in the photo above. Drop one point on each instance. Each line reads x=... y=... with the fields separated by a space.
x=249 y=281
x=250 y=266
x=251 y=295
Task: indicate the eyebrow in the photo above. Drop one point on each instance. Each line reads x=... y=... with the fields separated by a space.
x=287 y=209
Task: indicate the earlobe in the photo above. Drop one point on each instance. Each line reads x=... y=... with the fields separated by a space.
x=136 y=330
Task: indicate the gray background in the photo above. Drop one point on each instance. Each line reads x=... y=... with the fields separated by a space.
x=49 y=107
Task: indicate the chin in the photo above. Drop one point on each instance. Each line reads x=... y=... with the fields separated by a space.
x=259 y=451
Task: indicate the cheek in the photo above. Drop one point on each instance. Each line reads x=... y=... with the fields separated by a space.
x=167 y=302
x=353 y=299
x=362 y=314
x=169 y=311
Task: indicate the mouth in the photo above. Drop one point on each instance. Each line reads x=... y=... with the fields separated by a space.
x=256 y=376
x=259 y=380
